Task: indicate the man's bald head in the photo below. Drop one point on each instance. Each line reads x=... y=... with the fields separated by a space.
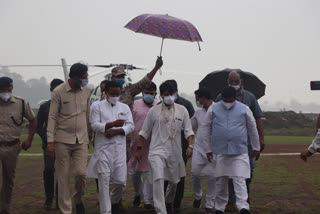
x=234 y=78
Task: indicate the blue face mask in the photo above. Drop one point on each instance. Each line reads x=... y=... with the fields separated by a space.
x=84 y=82
x=147 y=98
x=120 y=81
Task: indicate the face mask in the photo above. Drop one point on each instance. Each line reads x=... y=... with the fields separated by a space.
x=228 y=105
x=236 y=87
x=148 y=98
x=84 y=82
x=175 y=97
x=169 y=100
x=199 y=105
x=113 y=100
x=120 y=81
x=5 y=96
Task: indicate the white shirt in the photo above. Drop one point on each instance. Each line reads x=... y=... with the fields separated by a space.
x=165 y=157
x=315 y=146
x=202 y=124
x=109 y=153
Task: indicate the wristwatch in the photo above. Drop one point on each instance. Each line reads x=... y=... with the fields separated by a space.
x=191 y=146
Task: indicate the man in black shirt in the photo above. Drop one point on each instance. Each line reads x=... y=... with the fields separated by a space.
x=48 y=173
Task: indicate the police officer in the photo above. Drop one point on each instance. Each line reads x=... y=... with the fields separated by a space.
x=12 y=111
x=48 y=173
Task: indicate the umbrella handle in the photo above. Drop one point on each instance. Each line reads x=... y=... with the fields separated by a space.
x=199 y=46
x=161 y=45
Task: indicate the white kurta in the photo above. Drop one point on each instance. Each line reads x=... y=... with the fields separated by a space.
x=315 y=145
x=109 y=153
x=202 y=124
x=165 y=153
x=237 y=165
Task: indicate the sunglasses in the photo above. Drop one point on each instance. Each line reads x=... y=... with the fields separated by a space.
x=233 y=81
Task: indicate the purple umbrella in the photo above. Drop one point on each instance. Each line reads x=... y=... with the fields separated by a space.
x=165 y=26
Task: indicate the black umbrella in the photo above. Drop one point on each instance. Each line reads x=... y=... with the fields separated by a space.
x=217 y=80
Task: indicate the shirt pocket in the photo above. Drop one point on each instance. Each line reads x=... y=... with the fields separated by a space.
x=179 y=124
x=67 y=107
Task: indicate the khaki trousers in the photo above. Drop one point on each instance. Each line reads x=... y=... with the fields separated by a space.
x=70 y=158
x=8 y=158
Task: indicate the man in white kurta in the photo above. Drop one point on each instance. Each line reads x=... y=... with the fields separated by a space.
x=111 y=120
x=200 y=164
x=313 y=148
x=166 y=121
x=232 y=124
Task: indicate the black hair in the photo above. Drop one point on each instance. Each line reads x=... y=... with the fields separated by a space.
x=151 y=87
x=104 y=82
x=78 y=70
x=111 y=84
x=196 y=92
x=167 y=86
x=204 y=92
x=174 y=83
x=228 y=92
x=55 y=82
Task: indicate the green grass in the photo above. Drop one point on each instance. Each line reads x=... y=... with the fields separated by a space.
x=296 y=140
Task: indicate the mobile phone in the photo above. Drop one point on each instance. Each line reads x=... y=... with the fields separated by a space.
x=315 y=85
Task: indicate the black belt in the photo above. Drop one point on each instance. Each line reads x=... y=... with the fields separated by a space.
x=9 y=143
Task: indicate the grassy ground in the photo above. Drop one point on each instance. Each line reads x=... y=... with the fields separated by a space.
x=288 y=140
x=281 y=185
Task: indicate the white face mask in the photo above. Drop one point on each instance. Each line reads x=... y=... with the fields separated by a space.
x=228 y=105
x=5 y=96
x=237 y=87
x=113 y=100
x=169 y=100
x=199 y=105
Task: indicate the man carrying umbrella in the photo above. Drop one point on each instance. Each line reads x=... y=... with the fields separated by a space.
x=250 y=100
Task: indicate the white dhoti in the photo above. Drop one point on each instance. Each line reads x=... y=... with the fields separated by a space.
x=141 y=187
x=236 y=167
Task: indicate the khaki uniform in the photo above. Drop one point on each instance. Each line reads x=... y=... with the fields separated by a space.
x=130 y=91
x=10 y=144
x=68 y=128
x=127 y=96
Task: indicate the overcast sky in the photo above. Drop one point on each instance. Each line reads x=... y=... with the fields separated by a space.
x=277 y=40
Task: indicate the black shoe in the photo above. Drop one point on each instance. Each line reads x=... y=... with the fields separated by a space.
x=47 y=205
x=196 y=203
x=115 y=209
x=169 y=208
x=219 y=212
x=80 y=208
x=176 y=210
x=136 y=201
x=148 y=207
x=209 y=211
x=244 y=211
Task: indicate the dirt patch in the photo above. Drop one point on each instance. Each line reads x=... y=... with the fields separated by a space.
x=278 y=148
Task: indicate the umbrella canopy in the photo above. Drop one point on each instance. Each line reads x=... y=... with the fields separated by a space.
x=217 y=80
x=164 y=26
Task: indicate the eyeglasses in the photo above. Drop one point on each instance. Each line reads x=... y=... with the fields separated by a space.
x=233 y=81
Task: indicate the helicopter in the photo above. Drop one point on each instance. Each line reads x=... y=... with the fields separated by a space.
x=96 y=91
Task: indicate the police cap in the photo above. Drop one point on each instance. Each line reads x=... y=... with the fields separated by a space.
x=5 y=82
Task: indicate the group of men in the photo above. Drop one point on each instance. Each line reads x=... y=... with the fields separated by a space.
x=150 y=137
x=160 y=143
